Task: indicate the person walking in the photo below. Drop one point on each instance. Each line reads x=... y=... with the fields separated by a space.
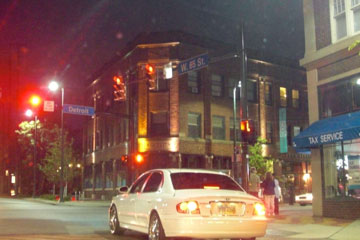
x=277 y=191
x=254 y=183
x=268 y=186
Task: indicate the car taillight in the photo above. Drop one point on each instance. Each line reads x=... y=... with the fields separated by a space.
x=190 y=207
x=259 y=209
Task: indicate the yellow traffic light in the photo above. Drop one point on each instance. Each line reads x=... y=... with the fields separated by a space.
x=35 y=100
x=139 y=158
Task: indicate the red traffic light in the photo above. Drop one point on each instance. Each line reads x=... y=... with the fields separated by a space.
x=35 y=100
x=246 y=126
x=139 y=158
x=149 y=69
x=124 y=158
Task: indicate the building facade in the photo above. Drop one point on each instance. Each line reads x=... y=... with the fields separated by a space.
x=187 y=120
x=331 y=26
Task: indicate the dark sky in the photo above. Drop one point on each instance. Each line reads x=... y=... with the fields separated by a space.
x=73 y=38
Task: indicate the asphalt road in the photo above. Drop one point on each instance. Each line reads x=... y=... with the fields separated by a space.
x=23 y=219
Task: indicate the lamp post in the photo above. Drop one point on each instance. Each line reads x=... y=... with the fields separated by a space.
x=54 y=86
x=30 y=113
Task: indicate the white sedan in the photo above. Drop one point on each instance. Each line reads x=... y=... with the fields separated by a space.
x=187 y=203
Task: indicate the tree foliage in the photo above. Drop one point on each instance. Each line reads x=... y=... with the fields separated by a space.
x=52 y=162
x=257 y=159
x=48 y=153
x=354 y=45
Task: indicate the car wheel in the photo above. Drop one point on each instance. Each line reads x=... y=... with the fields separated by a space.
x=114 y=222
x=156 y=230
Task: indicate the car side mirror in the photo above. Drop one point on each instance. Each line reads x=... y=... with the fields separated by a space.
x=124 y=189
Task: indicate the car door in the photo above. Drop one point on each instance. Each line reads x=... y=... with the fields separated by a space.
x=126 y=211
x=147 y=199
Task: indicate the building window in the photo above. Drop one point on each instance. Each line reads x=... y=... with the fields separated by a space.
x=251 y=90
x=283 y=97
x=297 y=130
x=355 y=7
x=269 y=132
x=345 y=18
x=341 y=166
x=193 y=82
x=162 y=82
x=268 y=93
x=216 y=85
x=232 y=82
x=340 y=18
x=218 y=127
x=159 y=124
x=295 y=98
x=339 y=97
x=237 y=127
x=194 y=126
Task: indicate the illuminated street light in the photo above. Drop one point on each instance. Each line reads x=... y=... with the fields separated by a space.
x=29 y=113
x=358 y=81
x=54 y=86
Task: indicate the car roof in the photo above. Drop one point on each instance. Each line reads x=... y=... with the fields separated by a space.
x=189 y=170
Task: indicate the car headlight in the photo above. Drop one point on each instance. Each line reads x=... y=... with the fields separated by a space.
x=189 y=207
x=259 y=209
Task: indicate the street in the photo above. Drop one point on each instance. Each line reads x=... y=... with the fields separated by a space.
x=35 y=219
x=24 y=219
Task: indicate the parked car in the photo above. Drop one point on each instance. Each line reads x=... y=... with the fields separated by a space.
x=304 y=199
x=187 y=203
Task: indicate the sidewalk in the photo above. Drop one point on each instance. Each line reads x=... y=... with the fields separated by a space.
x=85 y=203
x=297 y=222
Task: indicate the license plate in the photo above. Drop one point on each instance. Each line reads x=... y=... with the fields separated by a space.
x=227 y=208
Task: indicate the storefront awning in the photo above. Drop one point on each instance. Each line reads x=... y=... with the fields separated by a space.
x=329 y=130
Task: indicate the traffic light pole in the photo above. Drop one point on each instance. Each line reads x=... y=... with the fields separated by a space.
x=62 y=148
x=244 y=111
x=34 y=167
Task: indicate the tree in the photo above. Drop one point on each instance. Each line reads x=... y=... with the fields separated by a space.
x=48 y=147
x=52 y=161
x=354 y=45
x=257 y=159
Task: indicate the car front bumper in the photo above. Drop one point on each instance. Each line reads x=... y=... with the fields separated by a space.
x=210 y=227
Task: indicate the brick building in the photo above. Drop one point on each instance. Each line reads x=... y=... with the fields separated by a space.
x=333 y=71
x=187 y=121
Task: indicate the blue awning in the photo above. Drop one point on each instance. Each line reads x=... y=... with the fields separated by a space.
x=329 y=130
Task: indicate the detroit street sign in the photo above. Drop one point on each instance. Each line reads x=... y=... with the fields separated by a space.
x=78 y=110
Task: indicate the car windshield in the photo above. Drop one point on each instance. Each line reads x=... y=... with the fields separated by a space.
x=190 y=180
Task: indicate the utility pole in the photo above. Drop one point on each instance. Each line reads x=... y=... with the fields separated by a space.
x=244 y=110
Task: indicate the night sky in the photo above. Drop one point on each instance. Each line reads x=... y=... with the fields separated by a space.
x=73 y=38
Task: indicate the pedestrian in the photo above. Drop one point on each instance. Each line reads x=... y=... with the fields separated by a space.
x=254 y=183
x=277 y=191
x=268 y=187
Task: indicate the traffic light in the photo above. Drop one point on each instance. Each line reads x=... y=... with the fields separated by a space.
x=119 y=88
x=35 y=101
x=139 y=158
x=248 y=132
x=124 y=158
x=151 y=76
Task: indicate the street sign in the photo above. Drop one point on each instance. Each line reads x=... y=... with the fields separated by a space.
x=194 y=63
x=49 y=106
x=78 y=110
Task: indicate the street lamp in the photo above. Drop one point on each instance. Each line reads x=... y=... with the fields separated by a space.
x=54 y=86
x=30 y=113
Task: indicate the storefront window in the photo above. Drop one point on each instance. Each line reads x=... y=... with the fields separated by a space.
x=342 y=169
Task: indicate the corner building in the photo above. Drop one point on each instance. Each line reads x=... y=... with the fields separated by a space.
x=187 y=120
x=331 y=26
